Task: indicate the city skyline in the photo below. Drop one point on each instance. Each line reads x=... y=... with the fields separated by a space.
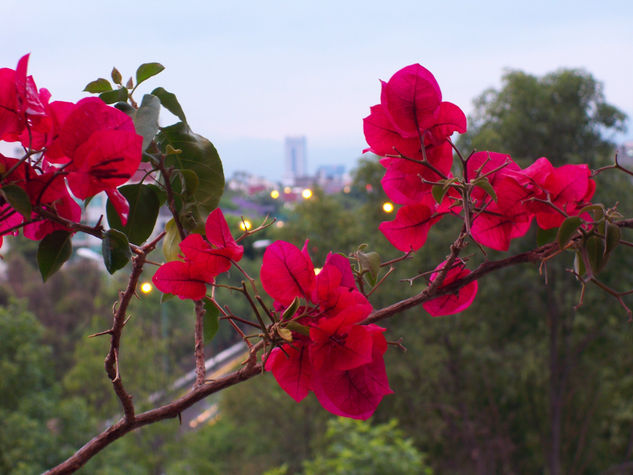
x=248 y=76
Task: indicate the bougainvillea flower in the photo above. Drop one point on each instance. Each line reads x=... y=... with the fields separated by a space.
x=404 y=180
x=384 y=139
x=493 y=165
x=339 y=343
x=456 y=302
x=291 y=367
x=106 y=160
x=450 y=119
x=342 y=264
x=10 y=125
x=203 y=260
x=408 y=231
x=411 y=115
x=337 y=354
x=502 y=220
x=355 y=392
x=568 y=188
x=411 y=99
x=20 y=103
x=286 y=272
x=57 y=112
x=91 y=115
x=183 y=279
x=49 y=191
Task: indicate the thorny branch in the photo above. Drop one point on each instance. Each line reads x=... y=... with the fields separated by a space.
x=252 y=367
x=199 y=343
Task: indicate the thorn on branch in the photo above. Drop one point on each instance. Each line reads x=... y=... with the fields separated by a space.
x=398 y=344
x=104 y=332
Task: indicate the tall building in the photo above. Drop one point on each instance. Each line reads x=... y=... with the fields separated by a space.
x=625 y=154
x=296 y=161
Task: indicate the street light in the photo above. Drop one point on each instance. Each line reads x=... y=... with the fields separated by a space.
x=307 y=193
x=245 y=225
x=274 y=194
x=387 y=207
x=146 y=287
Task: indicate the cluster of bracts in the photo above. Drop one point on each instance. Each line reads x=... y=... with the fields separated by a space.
x=321 y=340
x=84 y=148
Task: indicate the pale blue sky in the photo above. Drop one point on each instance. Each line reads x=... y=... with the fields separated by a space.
x=250 y=73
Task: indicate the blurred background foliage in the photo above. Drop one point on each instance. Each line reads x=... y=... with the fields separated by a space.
x=522 y=382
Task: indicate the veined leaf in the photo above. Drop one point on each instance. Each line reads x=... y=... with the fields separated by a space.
x=210 y=321
x=198 y=155
x=18 y=199
x=147 y=70
x=146 y=119
x=98 y=85
x=170 y=102
x=53 y=251
x=115 y=249
x=144 y=207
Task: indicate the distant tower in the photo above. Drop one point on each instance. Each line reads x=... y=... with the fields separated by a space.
x=296 y=159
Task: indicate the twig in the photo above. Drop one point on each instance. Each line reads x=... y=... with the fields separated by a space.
x=168 y=411
x=199 y=343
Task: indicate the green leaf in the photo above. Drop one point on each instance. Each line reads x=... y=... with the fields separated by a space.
x=285 y=334
x=598 y=211
x=125 y=107
x=579 y=264
x=438 y=192
x=116 y=76
x=567 y=230
x=170 y=102
x=297 y=327
x=210 y=321
x=147 y=70
x=545 y=236
x=612 y=237
x=291 y=310
x=171 y=241
x=53 y=251
x=595 y=251
x=189 y=183
x=160 y=193
x=484 y=184
x=18 y=199
x=98 y=85
x=116 y=95
x=144 y=207
x=129 y=84
x=115 y=249
x=370 y=263
x=146 y=119
x=198 y=155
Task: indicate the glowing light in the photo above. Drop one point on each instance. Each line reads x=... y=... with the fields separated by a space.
x=387 y=207
x=317 y=270
x=280 y=224
x=347 y=189
x=245 y=225
x=146 y=287
x=274 y=194
x=307 y=193
x=287 y=190
x=369 y=188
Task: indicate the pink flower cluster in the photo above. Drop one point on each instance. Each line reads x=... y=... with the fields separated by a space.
x=330 y=352
x=88 y=146
x=203 y=260
x=411 y=128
